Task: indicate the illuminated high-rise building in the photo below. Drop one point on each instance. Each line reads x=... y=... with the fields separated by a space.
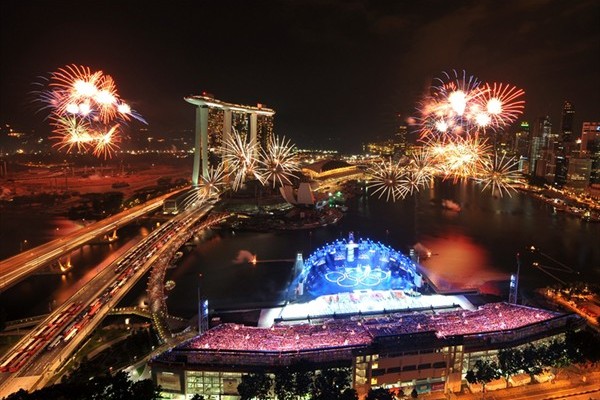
x=539 y=143
x=590 y=147
x=521 y=148
x=215 y=122
x=564 y=145
x=590 y=131
x=401 y=138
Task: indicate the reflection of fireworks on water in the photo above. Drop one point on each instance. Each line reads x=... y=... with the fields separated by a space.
x=240 y=157
x=387 y=179
x=279 y=163
x=86 y=110
x=500 y=175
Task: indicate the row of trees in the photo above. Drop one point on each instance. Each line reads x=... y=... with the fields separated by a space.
x=299 y=381
x=105 y=387
x=576 y=347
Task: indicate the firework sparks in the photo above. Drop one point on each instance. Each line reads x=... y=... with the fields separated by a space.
x=461 y=105
x=500 y=175
x=86 y=110
x=71 y=133
x=213 y=182
x=240 y=159
x=387 y=179
x=279 y=162
x=418 y=171
x=499 y=104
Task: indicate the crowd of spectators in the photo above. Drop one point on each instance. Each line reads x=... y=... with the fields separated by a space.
x=362 y=330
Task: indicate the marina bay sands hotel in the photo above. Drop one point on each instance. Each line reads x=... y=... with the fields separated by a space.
x=215 y=120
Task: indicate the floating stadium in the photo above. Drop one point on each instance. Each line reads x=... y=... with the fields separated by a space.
x=357 y=304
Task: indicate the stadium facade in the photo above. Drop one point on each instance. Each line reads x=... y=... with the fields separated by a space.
x=390 y=335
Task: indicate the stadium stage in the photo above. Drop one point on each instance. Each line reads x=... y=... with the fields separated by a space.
x=362 y=302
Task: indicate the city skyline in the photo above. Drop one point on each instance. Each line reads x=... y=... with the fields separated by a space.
x=333 y=71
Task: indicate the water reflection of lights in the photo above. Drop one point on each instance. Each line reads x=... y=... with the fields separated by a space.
x=356 y=277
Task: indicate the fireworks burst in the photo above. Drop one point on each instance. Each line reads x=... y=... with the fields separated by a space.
x=498 y=105
x=387 y=179
x=455 y=117
x=86 y=110
x=279 y=162
x=500 y=175
x=213 y=182
x=240 y=158
x=461 y=105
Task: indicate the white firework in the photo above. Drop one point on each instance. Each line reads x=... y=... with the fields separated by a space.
x=500 y=175
x=419 y=170
x=241 y=159
x=279 y=162
x=387 y=179
x=213 y=182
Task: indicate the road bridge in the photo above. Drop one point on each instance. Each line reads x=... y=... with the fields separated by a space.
x=91 y=303
x=20 y=266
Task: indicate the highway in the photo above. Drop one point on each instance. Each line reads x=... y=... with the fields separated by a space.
x=40 y=356
x=20 y=266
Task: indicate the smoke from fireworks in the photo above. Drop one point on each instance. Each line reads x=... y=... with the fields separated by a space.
x=85 y=110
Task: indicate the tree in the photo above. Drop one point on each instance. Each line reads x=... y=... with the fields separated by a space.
x=531 y=360
x=558 y=355
x=285 y=385
x=379 y=394
x=510 y=361
x=329 y=384
x=349 y=394
x=254 y=385
x=106 y=387
x=302 y=383
x=485 y=371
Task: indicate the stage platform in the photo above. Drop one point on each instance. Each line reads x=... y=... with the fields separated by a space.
x=362 y=302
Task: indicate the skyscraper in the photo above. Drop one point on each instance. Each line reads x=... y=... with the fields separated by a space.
x=522 y=140
x=590 y=131
x=564 y=145
x=539 y=143
x=521 y=147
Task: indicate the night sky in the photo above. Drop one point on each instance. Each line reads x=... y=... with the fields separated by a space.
x=337 y=73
